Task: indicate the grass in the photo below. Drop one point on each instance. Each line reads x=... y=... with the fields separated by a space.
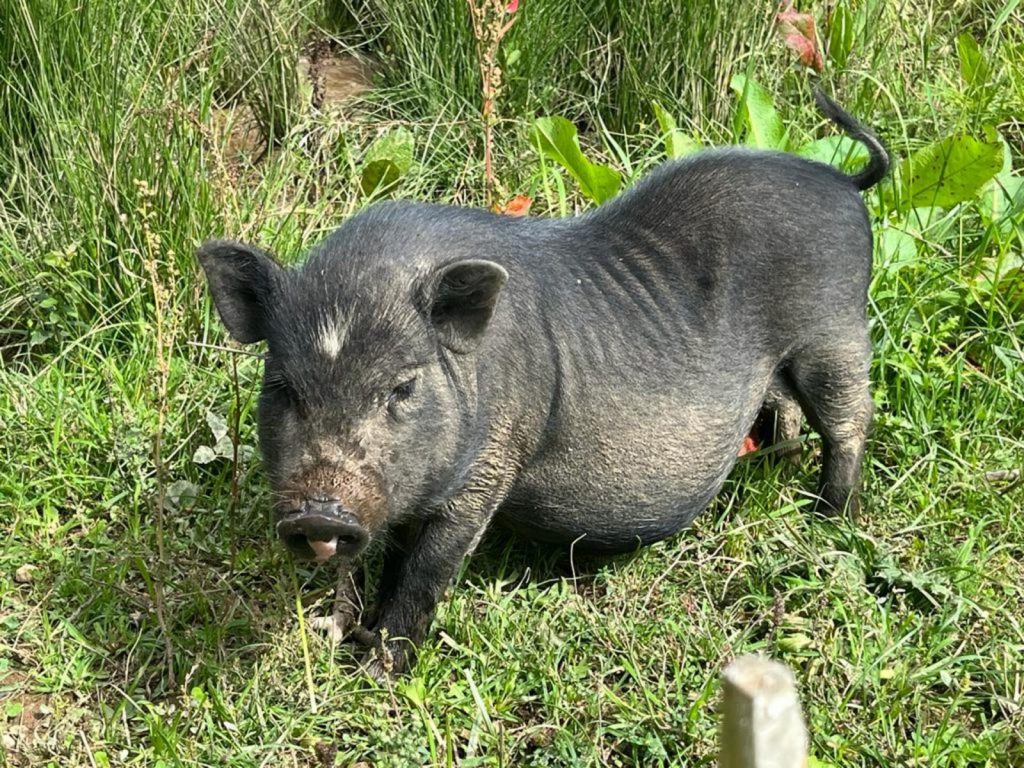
x=904 y=629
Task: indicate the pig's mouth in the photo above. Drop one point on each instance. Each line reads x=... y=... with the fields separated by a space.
x=320 y=536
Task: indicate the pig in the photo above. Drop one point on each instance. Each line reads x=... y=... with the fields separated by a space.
x=586 y=382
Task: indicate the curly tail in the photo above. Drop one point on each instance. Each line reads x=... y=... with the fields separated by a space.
x=879 y=162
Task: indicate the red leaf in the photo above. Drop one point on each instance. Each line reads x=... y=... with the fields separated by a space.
x=517 y=206
x=798 y=33
x=749 y=445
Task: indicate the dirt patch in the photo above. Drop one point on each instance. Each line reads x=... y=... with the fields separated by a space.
x=237 y=130
x=24 y=715
x=330 y=78
x=335 y=77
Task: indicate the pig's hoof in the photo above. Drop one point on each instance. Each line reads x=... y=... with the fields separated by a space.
x=380 y=664
x=365 y=637
x=386 y=660
x=376 y=669
x=835 y=506
x=336 y=628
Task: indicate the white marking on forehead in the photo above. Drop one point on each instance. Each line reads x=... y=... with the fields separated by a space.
x=330 y=336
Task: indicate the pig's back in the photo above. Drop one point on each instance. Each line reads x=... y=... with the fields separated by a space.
x=664 y=316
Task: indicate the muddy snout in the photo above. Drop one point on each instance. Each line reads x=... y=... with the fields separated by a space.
x=320 y=529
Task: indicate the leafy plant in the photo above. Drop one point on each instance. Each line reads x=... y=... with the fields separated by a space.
x=1002 y=199
x=799 y=34
x=756 y=119
x=938 y=177
x=556 y=139
x=949 y=171
x=974 y=68
x=840 y=34
x=223 y=447
x=677 y=142
x=840 y=150
x=386 y=161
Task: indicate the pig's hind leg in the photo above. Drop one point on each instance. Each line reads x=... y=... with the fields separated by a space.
x=830 y=377
x=778 y=424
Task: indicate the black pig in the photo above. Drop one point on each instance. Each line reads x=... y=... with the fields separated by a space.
x=584 y=381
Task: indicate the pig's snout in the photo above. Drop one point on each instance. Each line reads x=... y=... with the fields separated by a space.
x=321 y=529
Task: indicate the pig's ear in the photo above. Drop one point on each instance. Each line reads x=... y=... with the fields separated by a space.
x=464 y=300
x=241 y=278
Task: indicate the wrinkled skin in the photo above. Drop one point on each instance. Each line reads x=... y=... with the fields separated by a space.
x=587 y=382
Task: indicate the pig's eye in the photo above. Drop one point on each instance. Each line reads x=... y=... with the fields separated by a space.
x=401 y=393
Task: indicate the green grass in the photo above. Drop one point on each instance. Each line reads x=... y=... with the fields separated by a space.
x=904 y=628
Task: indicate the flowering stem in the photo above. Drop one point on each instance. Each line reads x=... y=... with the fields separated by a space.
x=489 y=28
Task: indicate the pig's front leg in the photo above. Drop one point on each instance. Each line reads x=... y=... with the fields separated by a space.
x=416 y=583
x=346 y=609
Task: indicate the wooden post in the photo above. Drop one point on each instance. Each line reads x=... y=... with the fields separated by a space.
x=762 y=726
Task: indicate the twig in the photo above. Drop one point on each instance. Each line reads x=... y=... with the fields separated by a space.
x=164 y=348
x=233 y=500
x=163 y=375
x=222 y=348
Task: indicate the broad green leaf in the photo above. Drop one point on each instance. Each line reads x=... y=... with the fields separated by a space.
x=896 y=248
x=795 y=642
x=1004 y=275
x=415 y=690
x=677 y=143
x=898 y=241
x=836 y=150
x=217 y=425
x=840 y=34
x=992 y=134
x=930 y=224
x=973 y=66
x=556 y=138
x=204 y=455
x=387 y=160
x=948 y=172
x=762 y=126
x=1002 y=198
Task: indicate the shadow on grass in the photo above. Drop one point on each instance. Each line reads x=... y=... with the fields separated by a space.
x=229 y=604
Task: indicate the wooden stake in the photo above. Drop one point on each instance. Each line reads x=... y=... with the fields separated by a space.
x=762 y=726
